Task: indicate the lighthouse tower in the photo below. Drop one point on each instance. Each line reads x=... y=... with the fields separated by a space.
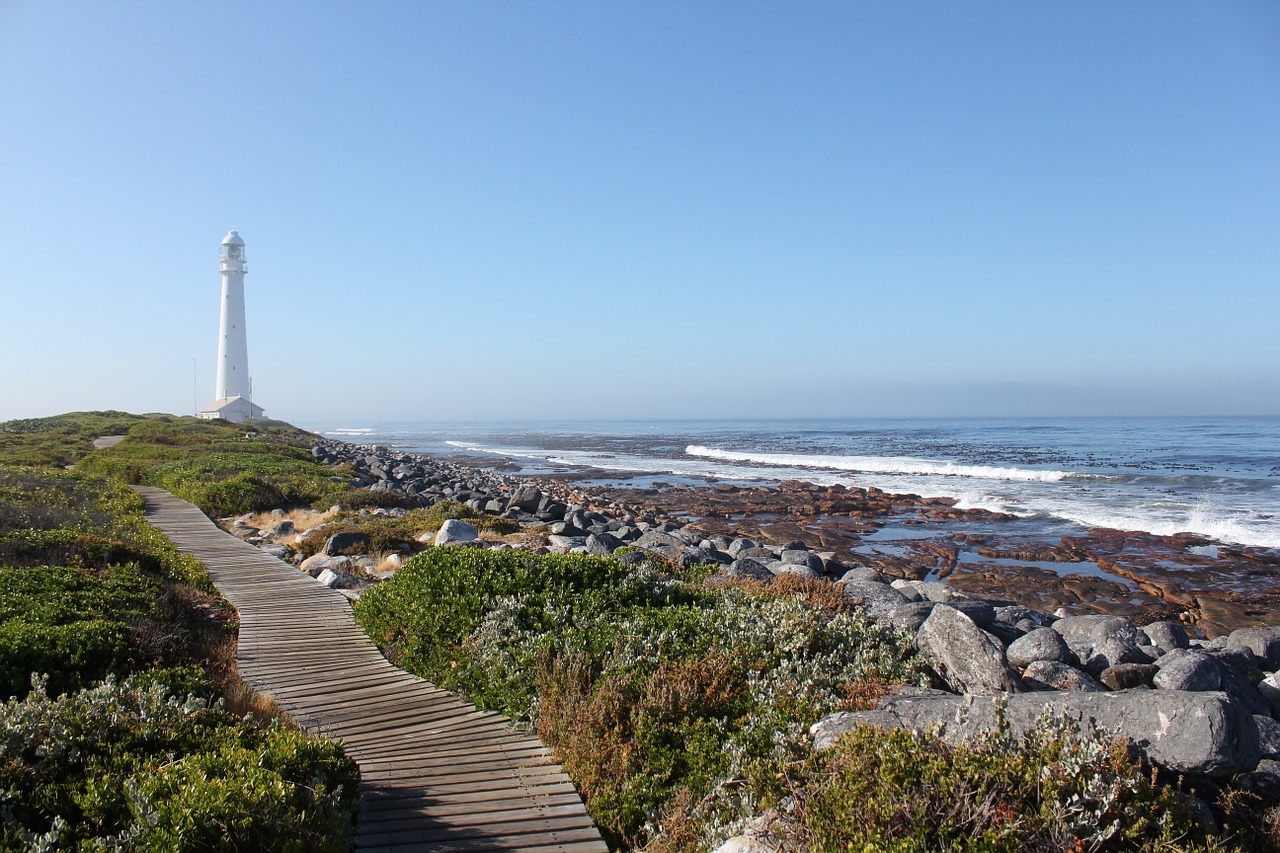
x=232 y=387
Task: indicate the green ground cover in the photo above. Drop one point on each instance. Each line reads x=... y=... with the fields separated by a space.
x=113 y=658
x=225 y=469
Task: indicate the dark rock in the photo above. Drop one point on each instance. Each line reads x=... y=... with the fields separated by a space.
x=910 y=616
x=1040 y=644
x=1013 y=614
x=603 y=544
x=1241 y=659
x=1194 y=733
x=982 y=613
x=764 y=556
x=1268 y=736
x=281 y=528
x=564 y=528
x=1082 y=633
x=968 y=659
x=694 y=557
x=1264 y=780
x=1166 y=636
x=340 y=544
x=1112 y=651
x=749 y=569
x=1263 y=642
x=1127 y=676
x=1187 y=669
x=525 y=498
x=633 y=558
x=1056 y=676
x=795 y=557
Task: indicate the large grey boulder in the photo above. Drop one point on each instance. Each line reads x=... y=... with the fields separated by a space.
x=455 y=532
x=780 y=568
x=1268 y=736
x=878 y=599
x=1112 y=651
x=866 y=573
x=340 y=544
x=1083 y=633
x=1187 y=669
x=748 y=569
x=1040 y=644
x=1167 y=636
x=1056 y=676
x=1240 y=659
x=281 y=528
x=316 y=564
x=338 y=580
x=525 y=498
x=603 y=544
x=796 y=557
x=1263 y=642
x=662 y=545
x=1200 y=733
x=966 y=658
x=1269 y=689
x=764 y=556
x=910 y=616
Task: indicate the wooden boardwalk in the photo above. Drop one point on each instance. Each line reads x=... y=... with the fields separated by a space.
x=436 y=773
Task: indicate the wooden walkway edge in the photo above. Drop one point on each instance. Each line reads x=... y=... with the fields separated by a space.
x=436 y=773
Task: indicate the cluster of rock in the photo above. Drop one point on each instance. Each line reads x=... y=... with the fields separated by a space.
x=1201 y=707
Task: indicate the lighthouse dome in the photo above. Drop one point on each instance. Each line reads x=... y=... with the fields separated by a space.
x=232 y=239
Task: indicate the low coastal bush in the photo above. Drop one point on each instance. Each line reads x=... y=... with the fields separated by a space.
x=124 y=766
x=668 y=703
x=110 y=649
x=61 y=440
x=218 y=466
x=1054 y=790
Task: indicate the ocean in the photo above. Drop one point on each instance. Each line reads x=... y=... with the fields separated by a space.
x=1219 y=477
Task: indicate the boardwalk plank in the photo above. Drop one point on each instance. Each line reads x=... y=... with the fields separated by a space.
x=438 y=774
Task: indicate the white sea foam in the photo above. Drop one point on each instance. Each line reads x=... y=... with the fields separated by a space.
x=888 y=465
x=351 y=431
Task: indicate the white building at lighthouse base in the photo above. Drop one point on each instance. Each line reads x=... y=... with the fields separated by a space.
x=234 y=409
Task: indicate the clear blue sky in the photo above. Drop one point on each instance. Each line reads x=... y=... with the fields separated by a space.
x=481 y=210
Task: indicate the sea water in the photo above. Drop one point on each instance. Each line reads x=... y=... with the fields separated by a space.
x=1219 y=477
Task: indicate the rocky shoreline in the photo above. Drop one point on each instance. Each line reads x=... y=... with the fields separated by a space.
x=1171 y=671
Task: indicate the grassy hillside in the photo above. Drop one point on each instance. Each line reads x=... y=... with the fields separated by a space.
x=121 y=720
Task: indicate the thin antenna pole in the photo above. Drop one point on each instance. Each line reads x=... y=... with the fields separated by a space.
x=195 y=389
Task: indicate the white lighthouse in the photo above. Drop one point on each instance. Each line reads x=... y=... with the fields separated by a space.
x=232 y=388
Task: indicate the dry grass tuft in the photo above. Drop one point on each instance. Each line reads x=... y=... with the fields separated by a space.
x=302 y=519
x=822 y=594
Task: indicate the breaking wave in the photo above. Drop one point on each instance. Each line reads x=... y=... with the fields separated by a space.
x=890 y=465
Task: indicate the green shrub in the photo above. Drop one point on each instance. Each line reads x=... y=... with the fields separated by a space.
x=1055 y=789
x=138 y=769
x=651 y=690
